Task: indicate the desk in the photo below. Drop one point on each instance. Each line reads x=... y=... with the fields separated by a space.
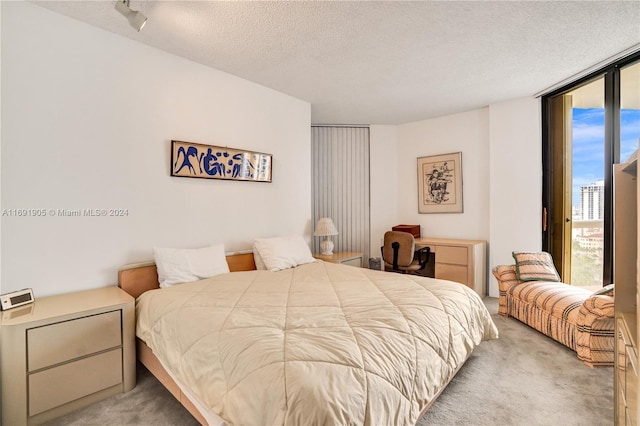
x=461 y=261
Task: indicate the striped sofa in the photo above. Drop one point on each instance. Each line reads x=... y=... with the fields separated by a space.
x=573 y=316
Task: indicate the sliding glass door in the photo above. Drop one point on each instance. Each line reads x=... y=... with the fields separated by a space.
x=588 y=127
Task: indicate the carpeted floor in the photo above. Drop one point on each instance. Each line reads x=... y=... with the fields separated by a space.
x=521 y=379
x=524 y=379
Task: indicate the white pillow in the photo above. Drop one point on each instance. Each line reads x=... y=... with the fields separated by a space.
x=260 y=266
x=177 y=266
x=283 y=252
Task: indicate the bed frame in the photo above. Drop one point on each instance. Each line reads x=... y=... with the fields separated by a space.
x=137 y=278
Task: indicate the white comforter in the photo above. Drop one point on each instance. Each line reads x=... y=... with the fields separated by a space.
x=318 y=344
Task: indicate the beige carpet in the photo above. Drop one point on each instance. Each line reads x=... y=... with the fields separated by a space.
x=524 y=378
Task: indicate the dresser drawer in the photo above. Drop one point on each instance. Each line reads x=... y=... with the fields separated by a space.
x=455 y=273
x=68 y=382
x=64 y=341
x=453 y=255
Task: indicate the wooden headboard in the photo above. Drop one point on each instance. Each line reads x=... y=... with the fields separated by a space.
x=136 y=278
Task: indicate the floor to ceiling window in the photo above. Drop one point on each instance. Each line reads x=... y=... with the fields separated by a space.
x=587 y=185
x=588 y=126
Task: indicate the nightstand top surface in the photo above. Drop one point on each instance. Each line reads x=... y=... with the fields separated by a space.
x=339 y=255
x=60 y=305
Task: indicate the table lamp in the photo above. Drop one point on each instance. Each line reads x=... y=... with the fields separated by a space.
x=325 y=228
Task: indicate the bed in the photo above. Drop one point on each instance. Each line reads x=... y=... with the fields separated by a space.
x=320 y=343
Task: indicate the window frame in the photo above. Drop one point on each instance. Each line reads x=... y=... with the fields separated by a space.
x=611 y=74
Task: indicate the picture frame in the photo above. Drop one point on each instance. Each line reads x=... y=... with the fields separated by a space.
x=440 y=183
x=196 y=160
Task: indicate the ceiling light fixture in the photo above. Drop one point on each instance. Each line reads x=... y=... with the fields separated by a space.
x=135 y=18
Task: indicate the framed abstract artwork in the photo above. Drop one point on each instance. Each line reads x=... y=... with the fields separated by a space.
x=197 y=160
x=440 y=183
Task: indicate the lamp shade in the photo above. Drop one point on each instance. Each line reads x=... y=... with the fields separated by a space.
x=325 y=227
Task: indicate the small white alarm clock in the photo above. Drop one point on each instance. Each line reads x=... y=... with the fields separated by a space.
x=16 y=298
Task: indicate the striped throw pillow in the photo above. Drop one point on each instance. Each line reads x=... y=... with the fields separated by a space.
x=535 y=267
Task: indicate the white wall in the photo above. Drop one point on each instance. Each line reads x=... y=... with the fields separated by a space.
x=383 y=143
x=87 y=121
x=0 y=154
x=502 y=178
x=466 y=132
x=516 y=181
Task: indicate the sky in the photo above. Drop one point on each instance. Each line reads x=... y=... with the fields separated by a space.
x=588 y=144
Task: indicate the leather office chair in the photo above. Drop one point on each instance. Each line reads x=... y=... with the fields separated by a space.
x=398 y=253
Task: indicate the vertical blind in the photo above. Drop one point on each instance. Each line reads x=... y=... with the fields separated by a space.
x=340 y=185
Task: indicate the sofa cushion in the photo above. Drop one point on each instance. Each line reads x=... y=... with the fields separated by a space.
x=559 y=299
x=535 y=266
x=549 y=307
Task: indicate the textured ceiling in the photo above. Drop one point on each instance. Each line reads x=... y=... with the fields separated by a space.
x=386 y=62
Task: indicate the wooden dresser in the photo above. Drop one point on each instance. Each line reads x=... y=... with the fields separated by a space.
x=461 y=261
x=64 y=352
x=627 y=286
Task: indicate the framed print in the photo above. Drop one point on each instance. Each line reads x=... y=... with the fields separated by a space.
x=196 y=160
x=440 y=183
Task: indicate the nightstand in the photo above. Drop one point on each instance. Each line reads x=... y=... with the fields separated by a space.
x=65 y=352
x=345 y=257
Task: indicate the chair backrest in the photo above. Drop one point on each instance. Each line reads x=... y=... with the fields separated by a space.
x=406 y=248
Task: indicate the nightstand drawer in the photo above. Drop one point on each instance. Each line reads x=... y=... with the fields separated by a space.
x=68 y=382
x=64 y=341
